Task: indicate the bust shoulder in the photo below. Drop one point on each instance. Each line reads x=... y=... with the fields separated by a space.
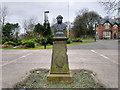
x=64 y=25
x=54 y=25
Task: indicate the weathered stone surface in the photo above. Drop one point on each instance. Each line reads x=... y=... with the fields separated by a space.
x=59 y=71
x=59 y=56
x=60 y=78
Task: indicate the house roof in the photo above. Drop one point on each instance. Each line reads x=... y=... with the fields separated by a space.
x=115 y=23
x=109 y=20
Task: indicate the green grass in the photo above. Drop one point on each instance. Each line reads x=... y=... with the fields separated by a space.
x=51 y=46
x=36 y=47
x=88 y=39
x=119 y=41
x=76 y=43
x=38 y=79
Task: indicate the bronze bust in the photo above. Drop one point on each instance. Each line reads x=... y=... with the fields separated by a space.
x=59 y=26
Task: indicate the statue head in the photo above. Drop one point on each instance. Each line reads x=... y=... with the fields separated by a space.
x=59 y=19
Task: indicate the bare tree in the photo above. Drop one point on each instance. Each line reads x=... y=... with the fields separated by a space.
x=0 y=16
x=80 y=12
x=110 y=6
x=29 y=24
x=53 y=21
x=0 y=24
x=29 y=27
x=4 y=12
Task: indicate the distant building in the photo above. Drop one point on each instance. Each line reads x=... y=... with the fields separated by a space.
x=107 y=29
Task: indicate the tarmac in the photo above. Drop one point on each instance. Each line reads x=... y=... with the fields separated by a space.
x=16 y=64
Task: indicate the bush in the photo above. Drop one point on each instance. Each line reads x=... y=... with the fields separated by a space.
x=10 y=43
x=19 y=43
x=69 y=41
x=77 y=40
x=101 y=38
x=42 y=41
x=15 y=40
x=49 y=40
x=37 y=40
x=28 y=43
x=3 y=41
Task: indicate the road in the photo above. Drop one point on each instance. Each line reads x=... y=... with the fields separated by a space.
x=100 y=57
x=100 y=44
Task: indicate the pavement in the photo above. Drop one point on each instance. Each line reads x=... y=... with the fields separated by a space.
x=100 y=57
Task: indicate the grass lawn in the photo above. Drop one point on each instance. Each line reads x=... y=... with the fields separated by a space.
x=51 y=46
x=38 y=79
x=76 y=43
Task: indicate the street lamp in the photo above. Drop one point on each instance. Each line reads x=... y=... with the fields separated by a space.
x=95 y=31
x=68 y=27
x=46 y=16
x=45 y=23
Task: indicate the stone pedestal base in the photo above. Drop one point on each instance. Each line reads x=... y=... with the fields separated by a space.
x=59 y=71
x=59 y=78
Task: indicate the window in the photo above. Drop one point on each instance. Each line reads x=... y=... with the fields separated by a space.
x=115 y=26
x=106 y=25
x=106 y=34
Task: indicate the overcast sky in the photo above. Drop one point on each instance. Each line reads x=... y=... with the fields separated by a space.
x=19 y=11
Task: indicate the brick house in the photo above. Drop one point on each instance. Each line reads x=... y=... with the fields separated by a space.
x=107 y=29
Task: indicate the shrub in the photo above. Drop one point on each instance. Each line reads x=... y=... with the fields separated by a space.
x=101 y=38
x=49 y=40
x=31 y=44
x=77 y=40
x=15 y=40
x=28 y=43
x=37 y=40
x=10 y=43
x=42 y=41
x=69 y=41
x=3 y=41
x=19 y=43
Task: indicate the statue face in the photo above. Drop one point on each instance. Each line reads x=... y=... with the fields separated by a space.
x=59 y=20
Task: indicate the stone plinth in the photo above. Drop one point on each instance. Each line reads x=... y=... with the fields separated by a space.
x=59 y=71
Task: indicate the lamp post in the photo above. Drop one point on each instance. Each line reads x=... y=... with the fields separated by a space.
x=95 y=31
x=68 y=28
x=45 y=25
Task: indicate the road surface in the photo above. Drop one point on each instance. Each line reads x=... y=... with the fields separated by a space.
x=100 y=57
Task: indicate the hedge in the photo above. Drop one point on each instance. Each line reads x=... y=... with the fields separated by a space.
x=10 y=43
x=28 y=43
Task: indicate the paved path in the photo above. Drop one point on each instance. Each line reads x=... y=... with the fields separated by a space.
x=104 y=62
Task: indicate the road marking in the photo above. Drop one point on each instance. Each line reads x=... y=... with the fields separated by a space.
x=17 y=59
x=93 y=51
x=104 y=56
